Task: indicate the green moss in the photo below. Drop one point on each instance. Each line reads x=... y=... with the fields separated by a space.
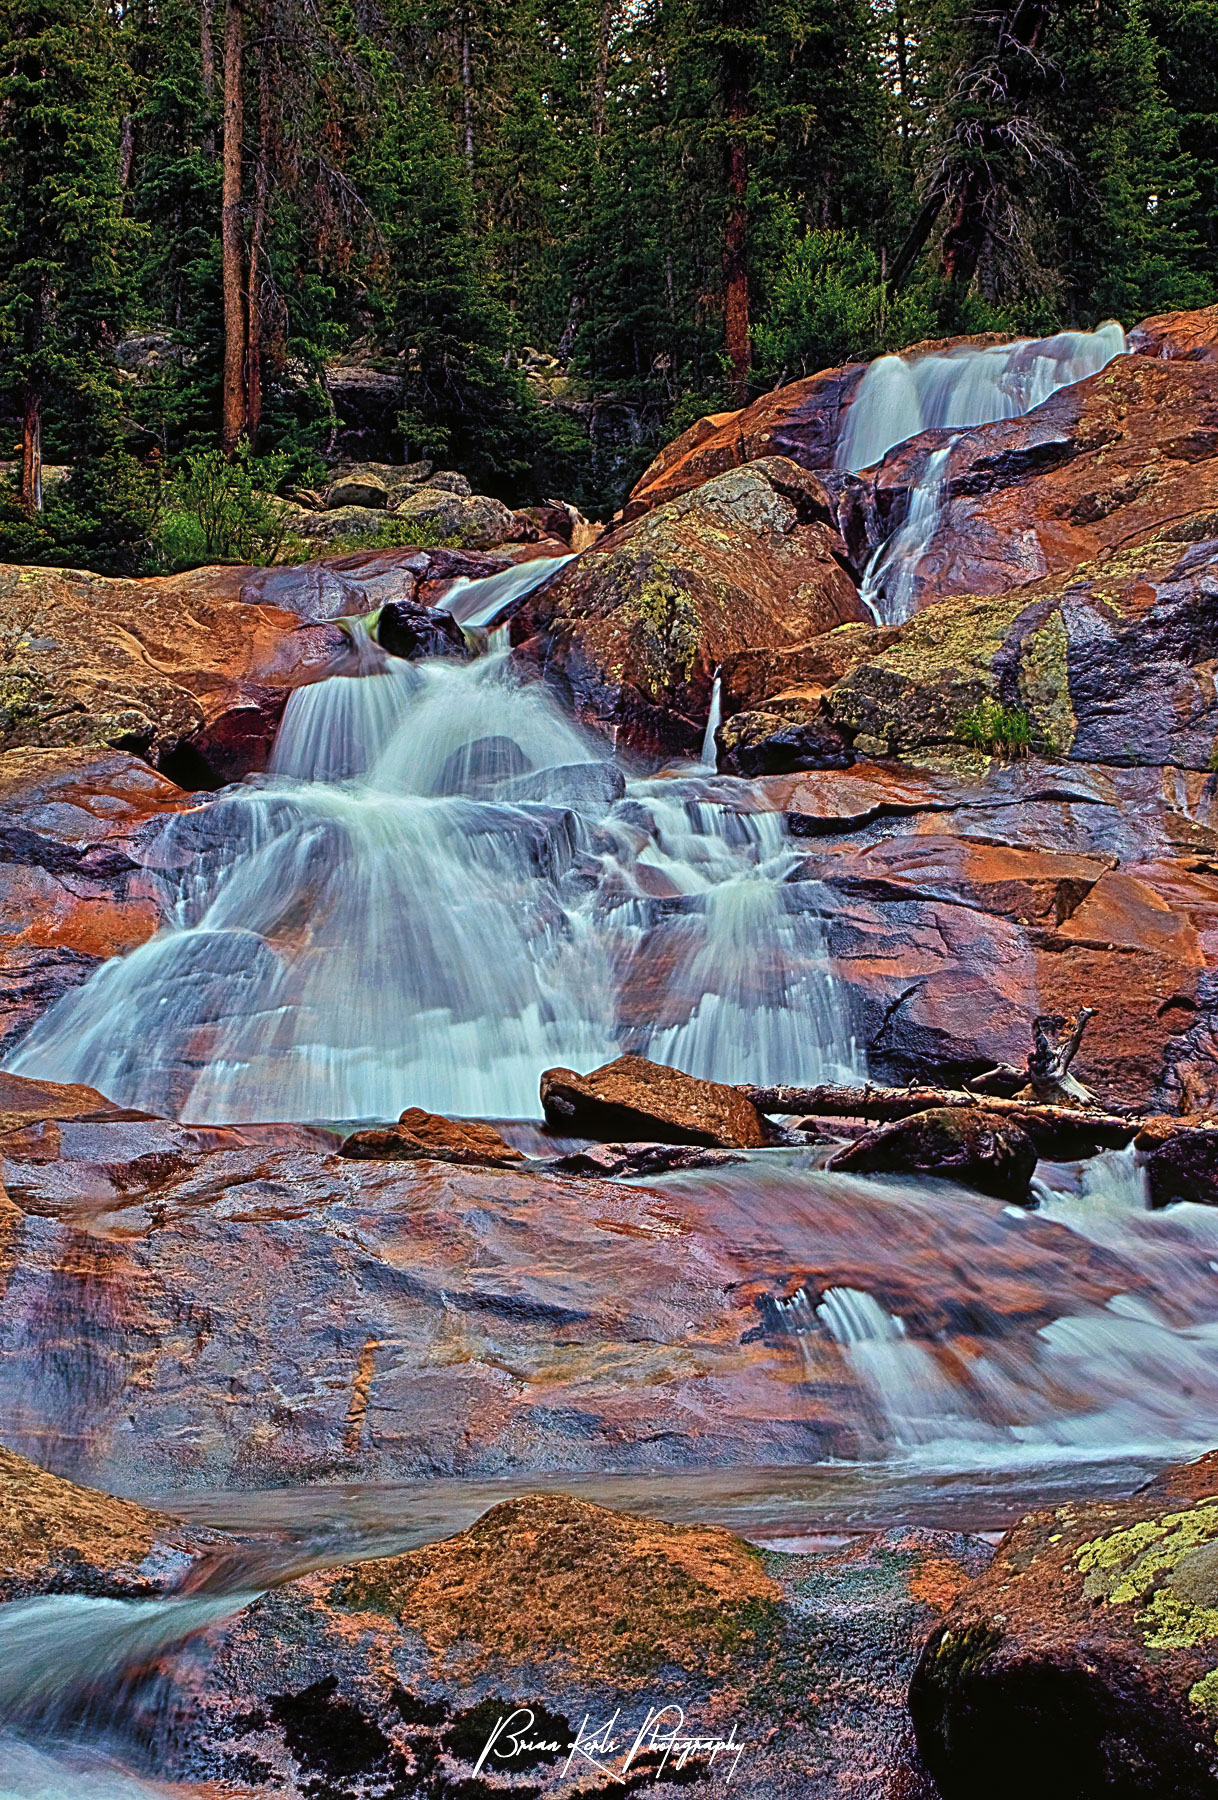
x=1044 y=684
x=1148 y=1565
x=671 y=630
x=18 y=697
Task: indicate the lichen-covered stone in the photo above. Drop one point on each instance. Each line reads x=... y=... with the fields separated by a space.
x=631 y=634
x=1084 y=1663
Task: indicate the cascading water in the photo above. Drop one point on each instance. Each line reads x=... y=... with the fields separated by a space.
x=476 y=603
x=954 y=389
x=442 y=889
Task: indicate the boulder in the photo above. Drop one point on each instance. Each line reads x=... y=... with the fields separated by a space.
x=794 y=731
x=406 y=629
x=420 y=1134
x=1179 y=336
x=345 y=520
x=475 y=521
x=976 y=1148
x=56 y=1537
x=1112 y=664
x=359 y=489
x=1083 y=1664
x=631 y=633
x=614 y=1160
x=1183 y=1165
x=447 y=481
x=181 y=669
x=638 y=1100
x=570 y=784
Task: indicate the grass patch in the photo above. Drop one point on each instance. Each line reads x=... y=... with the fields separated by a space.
x=998 y=730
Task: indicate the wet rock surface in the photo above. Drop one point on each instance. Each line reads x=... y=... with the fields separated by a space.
x=630 y=635
x=634 y=1098
x=1084 y=1662
x=418 y=1135
x=979 y=1149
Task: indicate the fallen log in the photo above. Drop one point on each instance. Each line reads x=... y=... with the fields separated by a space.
x=1060 y=1133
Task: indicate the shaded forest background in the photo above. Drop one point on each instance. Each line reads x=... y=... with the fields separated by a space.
x=568 y=227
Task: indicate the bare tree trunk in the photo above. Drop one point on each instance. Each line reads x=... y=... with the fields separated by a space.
x=600 y=81
x=31 y=448
x=735 y=240
x=233 y=409
x=207 y=65
x=262 y=183
x=126 y=152
x=467 y=91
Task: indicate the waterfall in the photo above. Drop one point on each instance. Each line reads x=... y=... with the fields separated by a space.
x=888 y=589
x=476 y=603
x=710 y=753
x=442 y=889
x=950 y=391
x=965 y=386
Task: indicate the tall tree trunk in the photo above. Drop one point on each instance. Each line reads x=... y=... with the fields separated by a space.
x=233 y=406
x=736 y=180
x=262 y=184
x=467 y=91
x=600 y=81
x=31 y=448
x=207 y=65
x=126 y=152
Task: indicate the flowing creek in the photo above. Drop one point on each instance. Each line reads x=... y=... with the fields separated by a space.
x=443 y=887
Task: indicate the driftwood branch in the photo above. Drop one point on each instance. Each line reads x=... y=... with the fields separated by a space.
x=1060 y=1133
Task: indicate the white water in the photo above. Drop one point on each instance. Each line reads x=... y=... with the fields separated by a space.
x=710 y=752
x=64 y=1663
x=476 y=603
x=949 y=391
x=426 y=905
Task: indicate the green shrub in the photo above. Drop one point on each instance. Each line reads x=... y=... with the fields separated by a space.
x=102 y=517
x=224 y=509
x=999 y=730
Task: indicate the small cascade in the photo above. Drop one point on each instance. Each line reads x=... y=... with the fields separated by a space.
x=710 y=753
x=475 y=603
x=952 y=390
x=889 y=588
x=916 y=1399
x=969 y=385
x=436 y=895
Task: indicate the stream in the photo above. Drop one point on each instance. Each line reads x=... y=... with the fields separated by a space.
x=443 y=887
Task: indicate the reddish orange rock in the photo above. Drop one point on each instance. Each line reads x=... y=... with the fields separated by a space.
x=635 y=1100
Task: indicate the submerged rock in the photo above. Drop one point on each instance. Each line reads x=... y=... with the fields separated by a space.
x=640 y=1159
x=420 y=1134
x=406 y=629
x=1083 y=1665
x=637 y=1100
x=979 y=1149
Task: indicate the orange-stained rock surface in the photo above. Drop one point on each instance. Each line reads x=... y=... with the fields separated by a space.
x=630 y=635
x=636 y=1099
x=552 y=1623
x=420 y=1134
x=190 y=671
x=77 y=869
x=57 y=1536
x=1084 y=1662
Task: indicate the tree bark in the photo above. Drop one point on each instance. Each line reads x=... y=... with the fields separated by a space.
x=31 y=448
x=467 y=91
x=207 y=65
x=233 y=405
x=600 y=80
x=253 y=308
x=737 y=335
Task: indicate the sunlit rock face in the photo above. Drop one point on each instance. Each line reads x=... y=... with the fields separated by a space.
x=631 y=634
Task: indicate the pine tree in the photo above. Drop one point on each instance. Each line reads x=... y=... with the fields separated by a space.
x=65 y=266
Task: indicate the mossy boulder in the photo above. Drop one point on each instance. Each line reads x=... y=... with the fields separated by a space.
x=1114 y=663
x=631 y=634
x=977 y=1148
x=1085 y=1661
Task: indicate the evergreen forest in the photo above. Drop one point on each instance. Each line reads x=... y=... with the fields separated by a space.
x=565 y=228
